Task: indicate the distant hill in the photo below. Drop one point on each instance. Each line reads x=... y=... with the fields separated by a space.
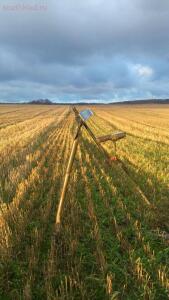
x=49 y=102
x=41 y=101
x=148 y=101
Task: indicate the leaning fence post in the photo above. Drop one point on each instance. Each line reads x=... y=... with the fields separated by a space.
x=81 y=118
x=67 y=176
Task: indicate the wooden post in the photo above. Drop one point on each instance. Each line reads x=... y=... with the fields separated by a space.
x=103 y=151
x=115 y=147
x=67 y=176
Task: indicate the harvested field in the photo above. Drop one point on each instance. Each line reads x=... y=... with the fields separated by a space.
x=114 y=239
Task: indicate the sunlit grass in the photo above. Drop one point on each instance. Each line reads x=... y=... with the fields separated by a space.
x=112 y=244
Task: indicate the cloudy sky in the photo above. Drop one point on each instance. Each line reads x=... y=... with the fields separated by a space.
x=76 y=50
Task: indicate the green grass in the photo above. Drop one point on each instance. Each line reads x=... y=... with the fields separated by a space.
x=110 y=245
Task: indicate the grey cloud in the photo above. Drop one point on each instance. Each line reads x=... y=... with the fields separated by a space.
x=84 y=49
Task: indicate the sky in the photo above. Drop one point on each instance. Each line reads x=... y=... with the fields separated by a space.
x=88 y=50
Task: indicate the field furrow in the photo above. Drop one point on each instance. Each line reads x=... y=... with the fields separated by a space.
x=113 y=241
